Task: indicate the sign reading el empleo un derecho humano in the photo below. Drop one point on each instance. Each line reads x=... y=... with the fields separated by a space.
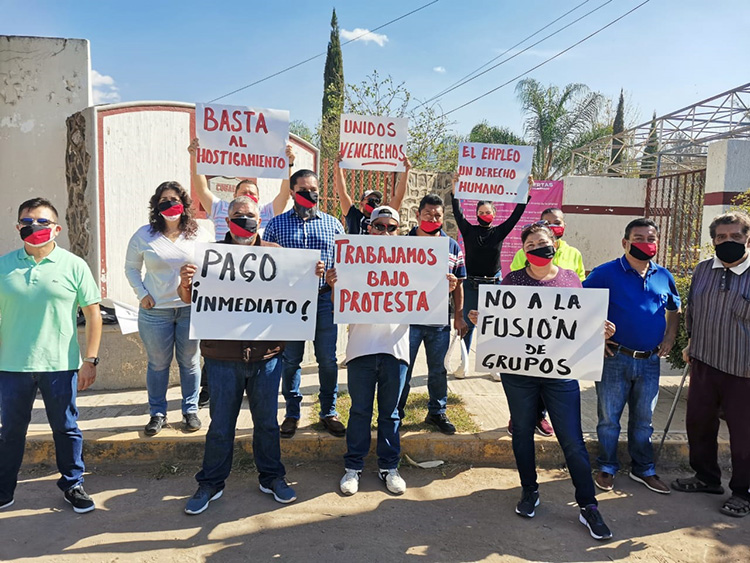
x=239 y=141
x=494 y=172
x=542 y=331
x=383 y=280
x=253 y=293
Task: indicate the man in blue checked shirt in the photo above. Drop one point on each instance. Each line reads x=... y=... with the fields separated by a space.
x=306 y=226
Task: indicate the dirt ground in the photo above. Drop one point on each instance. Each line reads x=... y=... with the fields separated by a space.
x=454 y=513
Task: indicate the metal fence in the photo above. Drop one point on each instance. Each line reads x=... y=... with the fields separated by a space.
x=675 y=204
x=357 y=183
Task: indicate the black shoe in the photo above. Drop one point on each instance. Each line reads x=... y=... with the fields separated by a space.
x=441 y=421
x=334 y=426
x=288 y=427
x=204 y=398
x=191 y=422
x=592 y=519
x=80 y=501
x=529 y=501
x=6 y=503
x=155 y=424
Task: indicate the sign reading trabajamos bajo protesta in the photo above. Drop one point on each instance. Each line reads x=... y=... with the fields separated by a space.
x=371 y=142
x=253 y=293
x=542 y=331
x=382 y=280
x=239 y=141
x=494 y=172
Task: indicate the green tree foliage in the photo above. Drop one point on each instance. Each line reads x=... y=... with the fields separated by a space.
x=333 y=94
x=556 y=122
x=301 y=129
x=618 y=127
x=485 y=133
x=648 y=162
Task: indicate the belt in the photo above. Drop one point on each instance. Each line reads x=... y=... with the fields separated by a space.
x=487 y=279
x=637 y=354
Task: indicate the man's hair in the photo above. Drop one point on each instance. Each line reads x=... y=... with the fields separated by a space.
x=299 y=174
x=241 y=182
x=730 y=218
x=551 y=210
x=31 y=204
x=431 y=199
x=484 y=202
x=640 y=222
x=242 y=200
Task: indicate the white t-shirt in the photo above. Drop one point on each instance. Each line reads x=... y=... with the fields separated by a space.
x=390 y=339
x=220 y=211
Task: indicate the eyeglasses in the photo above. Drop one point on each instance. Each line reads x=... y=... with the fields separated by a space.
x=28 y=222
x=381 y=228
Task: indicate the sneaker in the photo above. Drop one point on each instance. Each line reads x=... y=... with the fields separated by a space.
x=510 y=426
x=80 y=501
x=651 y=482
x=288 y=427
x=281 y=491
x=604 y=481
x=393 y=481
x=6 y=503
x=544 y=428
x=155 y=424
x=349 y=483
x=201 y=498
x=592 y=519
x=496 y=376
x=191 y=422
x=204 y=397
x=529 y=501
x=441 y=421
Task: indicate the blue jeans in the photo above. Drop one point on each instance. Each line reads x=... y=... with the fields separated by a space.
x=229 y=381
x=325 y=354
x=365 y=373
x=436 y=341
x=164 y=332
x=634 y=382
x=563 y=400
x=471 y=301
x=17 y=394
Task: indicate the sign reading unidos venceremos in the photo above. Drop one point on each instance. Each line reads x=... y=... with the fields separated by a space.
x=494 y=172
x=384 y=280
x=542 y=331
x=239 y=141
x=253 y=293
x=371 y=142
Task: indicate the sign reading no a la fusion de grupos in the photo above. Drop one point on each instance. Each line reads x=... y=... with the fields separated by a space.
x=371 y=142
x=240 y=141
x=383 y=280
x=542 y=331
x=494 y=172
x=253 y=293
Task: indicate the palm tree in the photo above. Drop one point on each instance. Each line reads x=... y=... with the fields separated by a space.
x=483 y=132
x=557 y=121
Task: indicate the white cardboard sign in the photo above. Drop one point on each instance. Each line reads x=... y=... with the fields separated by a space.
x=494 y=172
x=371 y=142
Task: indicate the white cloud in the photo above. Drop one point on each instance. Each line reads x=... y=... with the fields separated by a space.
x=439 y=69
x=378 y=38
x=105 y=91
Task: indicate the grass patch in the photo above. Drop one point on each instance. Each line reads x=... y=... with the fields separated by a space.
x=414 y=413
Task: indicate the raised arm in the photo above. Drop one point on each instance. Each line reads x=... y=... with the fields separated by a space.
x=281 y=199
x=339 y=183
x=400 y=192
x=463 y=225
x=199 y=180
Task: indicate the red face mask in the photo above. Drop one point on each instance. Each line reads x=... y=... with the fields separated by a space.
x=36 y=235
x=643 y=250
x=485 y=218
x=253 y=197
x=557 y=230
x=430 y=227
x=306 y=198
x=170 y=208
x=541 y=256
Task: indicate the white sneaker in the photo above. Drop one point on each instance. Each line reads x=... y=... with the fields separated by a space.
x=393 y=481
x=496 y=376
x=349 y=483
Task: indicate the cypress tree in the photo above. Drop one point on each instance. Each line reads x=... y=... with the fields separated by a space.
x=618 y=127
x=333 y=94
x=648 y=162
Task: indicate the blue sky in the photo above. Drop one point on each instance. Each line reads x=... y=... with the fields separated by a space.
x=666 y=55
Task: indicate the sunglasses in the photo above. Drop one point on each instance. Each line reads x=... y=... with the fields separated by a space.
x=541 y=223
x=381 y=228
x=28 y=222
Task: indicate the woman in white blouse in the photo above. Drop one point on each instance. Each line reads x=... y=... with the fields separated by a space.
x=163 y=246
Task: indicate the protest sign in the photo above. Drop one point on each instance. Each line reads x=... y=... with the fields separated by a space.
x=493 y=172
x=242 y=141
x=384 y=280
x=371 y=142
x=253 y=293
x=551 y=332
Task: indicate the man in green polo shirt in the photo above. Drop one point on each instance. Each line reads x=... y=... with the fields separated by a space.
x=41 y=288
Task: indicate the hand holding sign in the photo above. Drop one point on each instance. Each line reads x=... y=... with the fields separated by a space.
x=494 y=172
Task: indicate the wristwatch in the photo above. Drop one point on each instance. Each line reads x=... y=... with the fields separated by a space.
x=92 y=360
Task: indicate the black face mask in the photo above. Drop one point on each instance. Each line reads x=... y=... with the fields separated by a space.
x=483 y=222
x=243 y=227
x=306 y=203
x=730 y=251
x=541 y=256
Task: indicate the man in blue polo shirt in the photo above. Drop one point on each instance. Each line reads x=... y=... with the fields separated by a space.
x=644 y=306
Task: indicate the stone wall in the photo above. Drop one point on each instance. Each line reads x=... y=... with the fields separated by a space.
x=77 y=161
x=420 y=184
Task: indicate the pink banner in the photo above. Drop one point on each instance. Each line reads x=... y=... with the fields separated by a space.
x=544 y=194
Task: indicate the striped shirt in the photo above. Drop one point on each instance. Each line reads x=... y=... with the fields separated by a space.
x=718 y=316
x=317 y=233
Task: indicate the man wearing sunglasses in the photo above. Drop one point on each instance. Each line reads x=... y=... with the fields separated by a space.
x=41 y=288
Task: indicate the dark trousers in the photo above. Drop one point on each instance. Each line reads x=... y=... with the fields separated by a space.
x=710 y=391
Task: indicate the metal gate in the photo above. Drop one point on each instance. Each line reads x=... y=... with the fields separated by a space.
x=357 y=182
x=675 y=204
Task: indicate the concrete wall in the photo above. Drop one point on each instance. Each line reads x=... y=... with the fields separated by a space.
x=42 y=82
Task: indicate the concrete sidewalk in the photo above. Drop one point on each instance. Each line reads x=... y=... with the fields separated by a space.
x=113 y=421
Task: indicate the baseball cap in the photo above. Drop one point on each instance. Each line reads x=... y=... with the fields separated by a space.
x=384 y=212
